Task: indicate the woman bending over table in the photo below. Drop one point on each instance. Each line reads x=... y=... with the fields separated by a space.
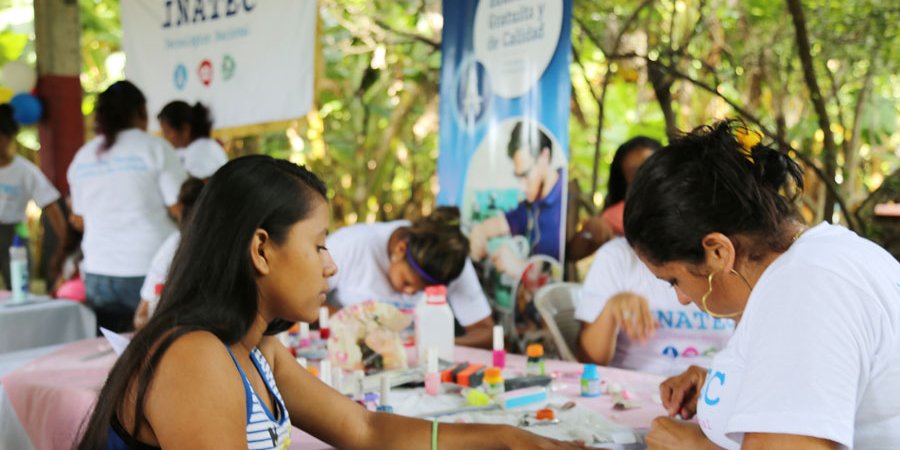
x=393 y=261
x=814 y=362
x=206 y=371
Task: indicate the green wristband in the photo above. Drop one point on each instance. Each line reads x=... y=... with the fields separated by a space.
x=434 y=426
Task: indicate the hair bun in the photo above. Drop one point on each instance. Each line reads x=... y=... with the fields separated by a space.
x=776 y=170
x=442 y=217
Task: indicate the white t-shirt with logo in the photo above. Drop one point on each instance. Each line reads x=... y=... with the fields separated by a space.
x=817 y=351
x=202 y=158
x=361 y=254
x=21 y=181
x=686 y=335
x=159 y=268
x=122 y=194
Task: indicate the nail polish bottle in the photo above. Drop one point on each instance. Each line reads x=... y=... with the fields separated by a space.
x=432 y=375
x=499 y=350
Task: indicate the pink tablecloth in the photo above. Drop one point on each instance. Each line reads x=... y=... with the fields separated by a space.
x=53 y=395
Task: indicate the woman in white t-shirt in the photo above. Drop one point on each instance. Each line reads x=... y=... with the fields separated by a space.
x=21 y=181
x=188 y=129
x=391 y=262
x=632 y=320
x=814 y=362
x=159 y=266
x=123 y=183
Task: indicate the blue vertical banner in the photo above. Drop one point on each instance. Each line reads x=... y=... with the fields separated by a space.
x=504 y=121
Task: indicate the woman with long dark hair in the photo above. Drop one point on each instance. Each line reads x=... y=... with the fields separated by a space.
x=814 y=362
x=122 y=184
x=206 y=372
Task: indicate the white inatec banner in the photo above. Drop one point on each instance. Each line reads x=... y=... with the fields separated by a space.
x=250 y=61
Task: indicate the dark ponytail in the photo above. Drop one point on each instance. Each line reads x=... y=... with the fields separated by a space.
x=177 y=114
x=438 y=245
x=117 y=109
x=709 y=181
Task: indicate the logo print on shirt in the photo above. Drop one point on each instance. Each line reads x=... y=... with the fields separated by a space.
x=709 y=379
x=689 y=352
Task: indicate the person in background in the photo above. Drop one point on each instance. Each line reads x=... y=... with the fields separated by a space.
x=537 y=217
x=207 y=372
x=159 y=266
x=632 y=320
x=70 y=285
x=20 y=182
x=814 y=362
x=123 y=184
x=609 y=223
x=392 y=262
x=188 y=129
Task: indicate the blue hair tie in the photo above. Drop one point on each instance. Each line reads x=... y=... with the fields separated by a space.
x=419 y=270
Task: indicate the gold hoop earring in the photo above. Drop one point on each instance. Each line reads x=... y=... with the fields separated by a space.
x=707 y=294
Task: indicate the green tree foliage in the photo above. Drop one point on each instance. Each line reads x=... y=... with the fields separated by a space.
x=639 y=67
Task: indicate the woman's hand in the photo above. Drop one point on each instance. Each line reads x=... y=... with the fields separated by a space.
x=679 y=394
x=517 y=438
x=631 y=313
x=671 y=434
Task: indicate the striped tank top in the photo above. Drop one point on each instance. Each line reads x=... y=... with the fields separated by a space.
x=264 y=432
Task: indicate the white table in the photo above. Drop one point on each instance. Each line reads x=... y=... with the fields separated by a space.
x=44 y=322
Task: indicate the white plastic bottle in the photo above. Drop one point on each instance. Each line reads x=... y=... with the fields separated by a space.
x=18 y=270
x=434 y=324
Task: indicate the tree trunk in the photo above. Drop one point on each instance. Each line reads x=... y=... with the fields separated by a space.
x=662 y=87
x=851 y=146
x=809 y=74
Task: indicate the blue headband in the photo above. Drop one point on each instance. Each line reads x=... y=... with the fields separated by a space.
x=419 y=270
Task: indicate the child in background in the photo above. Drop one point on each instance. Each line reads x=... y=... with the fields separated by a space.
x=69 y=284
x=159 y=267
x=21 y=181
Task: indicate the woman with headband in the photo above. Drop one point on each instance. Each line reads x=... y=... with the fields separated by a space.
x=391 y=262
x=814 y=362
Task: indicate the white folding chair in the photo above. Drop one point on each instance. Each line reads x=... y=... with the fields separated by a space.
x=556 y=304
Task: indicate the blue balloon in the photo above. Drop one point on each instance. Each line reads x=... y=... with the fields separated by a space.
x=27 y=108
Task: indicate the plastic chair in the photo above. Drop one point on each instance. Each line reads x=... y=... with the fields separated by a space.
x=556 y=304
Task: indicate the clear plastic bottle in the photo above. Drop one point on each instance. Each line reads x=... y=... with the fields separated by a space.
x=434 y=324
x=18 y=270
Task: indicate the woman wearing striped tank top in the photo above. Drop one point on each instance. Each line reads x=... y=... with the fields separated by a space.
x=206 y=371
